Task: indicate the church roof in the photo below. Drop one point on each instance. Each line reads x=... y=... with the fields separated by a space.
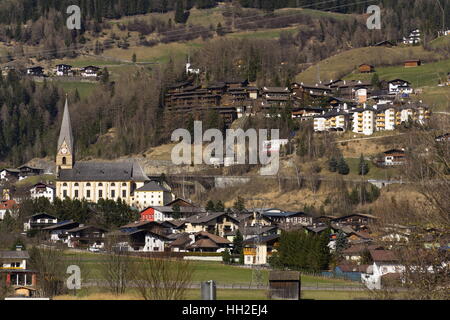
x=66 y=130
x=104 y=171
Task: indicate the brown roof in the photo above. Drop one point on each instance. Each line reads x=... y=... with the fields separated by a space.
x=213 y=237
x=353 y=267
x=204 y=243
x=383 y=256
x=7 y=204
x=358 y=248
x=181 y=241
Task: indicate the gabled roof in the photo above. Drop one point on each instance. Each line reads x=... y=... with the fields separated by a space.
x=86 y=228
x=207 y=217
x=62 y=225
x=14 y=255
x=42 y=214
x=265 y=239
x=212 y=237
x=383 y=256
x=7 y=204
x=152 y=186
x=104 y=171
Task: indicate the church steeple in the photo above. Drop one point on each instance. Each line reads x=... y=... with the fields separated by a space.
x=65 y=152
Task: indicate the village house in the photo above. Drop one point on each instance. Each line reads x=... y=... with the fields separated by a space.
x=18 y=275
x=90 y=72
x=384 y=262
x=217 y=223
x=258 y=250
x=355 y=253
x=35 y=71
x=86 y=237
x=63 y=70
x=42 y=190
x=140 y=239
x=413 y=38
x=366 y=68
x=399 y=86
x=9 y=174
x=357 y=220
x=208 y=242
x=152 y=194
x=167 y=213
x=9 y=206
x=393 y=157
x=287 y=217
x=58 y=232
x=39 y=221
x=181 y=242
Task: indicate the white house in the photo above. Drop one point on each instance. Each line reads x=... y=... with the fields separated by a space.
x=384 y=262
x=413 y=38
x=399 y=86
x=43 y=190
x=90 y=72
x=152 y=194
x=363 y=121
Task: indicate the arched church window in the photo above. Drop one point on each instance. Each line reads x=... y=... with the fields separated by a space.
x=100 y=184
x=64 y=184
x=88 y=184
x=113 y=184
x=76 y=184
x=64 y=160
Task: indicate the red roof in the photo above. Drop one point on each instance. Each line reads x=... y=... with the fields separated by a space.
x=7 y=204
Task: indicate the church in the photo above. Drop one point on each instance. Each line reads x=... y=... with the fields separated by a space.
x=93 y=180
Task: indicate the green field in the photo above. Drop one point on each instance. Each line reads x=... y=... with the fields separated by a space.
x=436 y=97
x=428 y=74
x=84 y=88
x=35 y=179
x=263 y=34
x=203 y=271
x=347 y=62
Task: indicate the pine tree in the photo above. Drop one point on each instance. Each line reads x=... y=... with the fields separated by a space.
x=363 y=166
x=210 y=207
x=226 y=256
x=332 y=164
x=133 y=58
x=239 y=204
x=219 y=206
x=342 y=167
x=238 y=242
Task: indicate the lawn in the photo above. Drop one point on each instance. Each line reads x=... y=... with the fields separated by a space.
x=84 y=88
x=345 y=63
x=203 y=271
x=438 y=98
x=35 y=179
x=428 y=74
x=263 y=34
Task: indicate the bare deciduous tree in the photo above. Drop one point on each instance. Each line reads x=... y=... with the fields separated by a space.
x=163 y=278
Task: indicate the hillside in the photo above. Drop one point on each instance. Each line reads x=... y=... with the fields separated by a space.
x=346 y=62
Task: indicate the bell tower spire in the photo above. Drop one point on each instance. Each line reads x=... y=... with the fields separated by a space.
x=65 y=153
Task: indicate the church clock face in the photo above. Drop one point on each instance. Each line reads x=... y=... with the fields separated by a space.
x=64 y=150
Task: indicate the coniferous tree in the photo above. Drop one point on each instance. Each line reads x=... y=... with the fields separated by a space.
x=363 y=166
x=343 y=167
x=238 y=242
x=210 y=207
x=219 y=206
x=332 y=164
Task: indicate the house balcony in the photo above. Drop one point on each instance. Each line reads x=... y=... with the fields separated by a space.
x=250 y=251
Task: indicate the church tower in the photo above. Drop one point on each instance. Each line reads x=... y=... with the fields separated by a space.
x=65 y=153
